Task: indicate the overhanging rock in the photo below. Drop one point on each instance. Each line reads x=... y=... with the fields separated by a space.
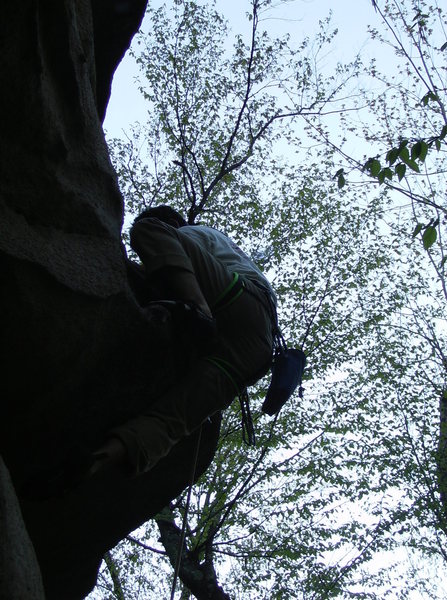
x=78 y=354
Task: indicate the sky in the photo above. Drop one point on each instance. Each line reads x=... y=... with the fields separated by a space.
x=298 y=17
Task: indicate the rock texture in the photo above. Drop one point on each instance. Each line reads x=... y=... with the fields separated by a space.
x=78 y=354
x=17 y=555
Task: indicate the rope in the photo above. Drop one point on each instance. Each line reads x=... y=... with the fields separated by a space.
x=185 y=516
x=248 y=430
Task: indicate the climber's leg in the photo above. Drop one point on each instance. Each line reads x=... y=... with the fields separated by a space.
x=245 y=345
x=150 y=436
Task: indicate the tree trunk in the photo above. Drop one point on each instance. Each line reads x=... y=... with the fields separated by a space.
x=199 y=578
x=442 y=457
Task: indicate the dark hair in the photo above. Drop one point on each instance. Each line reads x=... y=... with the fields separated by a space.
x=163 y=212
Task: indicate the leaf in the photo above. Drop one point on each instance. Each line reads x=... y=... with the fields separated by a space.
x=413 y=165
x=416 y=150
x=400 y=170
x=392 y=156
x=417 y=230
x=424 y=151
x=404 y=154
x=443 y=47
x=429 y=236
x=443 y=132
x=386 y=173
x=419 y=150
x=373 y=166
x=429 y=96
x=340 y=175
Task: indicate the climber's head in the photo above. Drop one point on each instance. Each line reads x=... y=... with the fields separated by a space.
x=164 y=213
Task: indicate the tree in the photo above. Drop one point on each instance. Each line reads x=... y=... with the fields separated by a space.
x=212 y=114
x=349 y=472
x=403 y=125
x=408 y=161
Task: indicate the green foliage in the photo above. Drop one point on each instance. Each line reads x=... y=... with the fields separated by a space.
x=217 y=115
x=412 y=138
x=347 y=475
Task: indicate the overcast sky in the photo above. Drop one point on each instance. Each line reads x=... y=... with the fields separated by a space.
x=297 y=17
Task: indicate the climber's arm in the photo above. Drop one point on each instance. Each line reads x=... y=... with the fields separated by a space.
x=110 y=456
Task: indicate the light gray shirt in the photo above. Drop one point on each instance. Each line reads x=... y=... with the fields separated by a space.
x=226 y=251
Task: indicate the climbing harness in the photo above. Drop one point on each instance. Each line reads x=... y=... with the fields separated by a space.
x=287 y=364
x=230 y=294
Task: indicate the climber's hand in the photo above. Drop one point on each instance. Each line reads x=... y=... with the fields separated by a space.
x=111 y=456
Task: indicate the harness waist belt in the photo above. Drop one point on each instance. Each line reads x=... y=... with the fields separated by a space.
x=230 y=294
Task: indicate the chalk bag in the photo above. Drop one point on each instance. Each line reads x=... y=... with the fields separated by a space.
x=287 y=373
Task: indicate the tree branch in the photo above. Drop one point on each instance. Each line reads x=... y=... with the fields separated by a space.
x=441 y=456
x=199 y=578
x=114 y=574
x=145 y=546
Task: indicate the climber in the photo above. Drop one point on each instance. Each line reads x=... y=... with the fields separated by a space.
x=231 y=304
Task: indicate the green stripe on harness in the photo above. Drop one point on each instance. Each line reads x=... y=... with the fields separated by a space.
x=230 y=294
x=219 y=363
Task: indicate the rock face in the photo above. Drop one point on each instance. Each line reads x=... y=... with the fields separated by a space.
x=78 y=353
x=17 y=554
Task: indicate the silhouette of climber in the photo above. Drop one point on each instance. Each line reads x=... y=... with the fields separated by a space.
x=231 y=304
